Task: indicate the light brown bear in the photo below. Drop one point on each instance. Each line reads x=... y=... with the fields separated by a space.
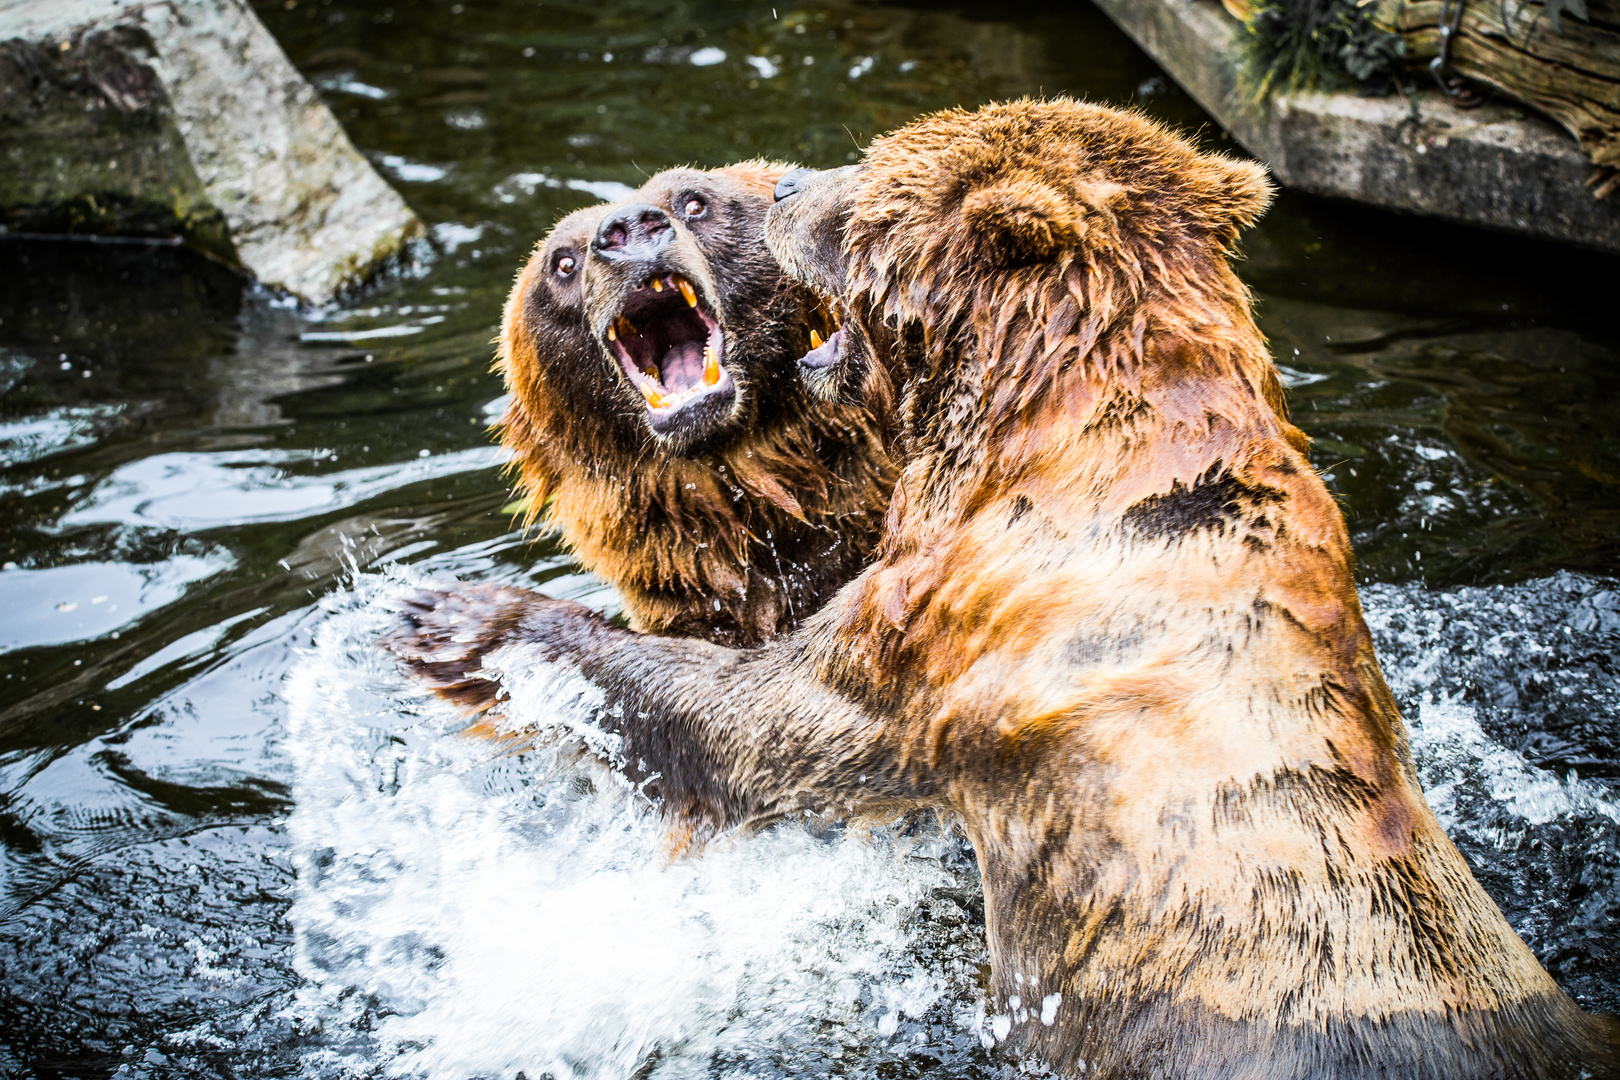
x=1112 y=627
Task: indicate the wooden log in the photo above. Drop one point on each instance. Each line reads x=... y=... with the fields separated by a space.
x=1498 y=166
x=1572 y=75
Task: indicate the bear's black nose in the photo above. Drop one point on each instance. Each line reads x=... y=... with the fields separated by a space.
x=789 y=184
x=634 y=231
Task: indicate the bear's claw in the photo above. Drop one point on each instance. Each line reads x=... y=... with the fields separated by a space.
x=444 y=635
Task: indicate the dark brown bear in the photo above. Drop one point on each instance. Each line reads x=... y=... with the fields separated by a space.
x=1112 y=626
x=649 y=348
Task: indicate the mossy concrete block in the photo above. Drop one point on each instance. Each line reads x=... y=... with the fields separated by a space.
x=1494 y=166
x=184 y=118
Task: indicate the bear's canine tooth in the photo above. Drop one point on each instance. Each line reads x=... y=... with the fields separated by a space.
x=815 y=339
x=711 y=366
x=687 y=291
x=658 y=284
x=613 y=332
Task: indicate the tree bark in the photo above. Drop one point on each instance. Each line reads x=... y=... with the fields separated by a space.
x=1572 y=75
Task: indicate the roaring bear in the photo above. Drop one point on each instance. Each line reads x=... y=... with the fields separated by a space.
x=649 y=347
x=1112 y=626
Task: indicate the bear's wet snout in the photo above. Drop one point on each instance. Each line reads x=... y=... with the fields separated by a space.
x=789 y=184
x=636 y=231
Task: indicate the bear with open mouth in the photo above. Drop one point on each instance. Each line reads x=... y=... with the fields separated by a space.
x=1112 y=627
x=658 y=423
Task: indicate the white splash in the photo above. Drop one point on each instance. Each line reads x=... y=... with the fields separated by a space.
x=1049 y=1008
x=1481 y=660
x=473 y=914
x=1471 y=781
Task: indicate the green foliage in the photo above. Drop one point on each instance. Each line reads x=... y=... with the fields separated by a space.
x=1316 y=44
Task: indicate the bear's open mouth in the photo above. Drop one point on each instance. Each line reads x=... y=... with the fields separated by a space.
x=670 y=346
x=826 y=338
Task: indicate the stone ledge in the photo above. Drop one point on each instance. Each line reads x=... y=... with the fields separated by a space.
x=184 y=117
x=1497 y=166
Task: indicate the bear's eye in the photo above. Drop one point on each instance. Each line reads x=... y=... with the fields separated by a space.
x=566 y=266
x=695 y=207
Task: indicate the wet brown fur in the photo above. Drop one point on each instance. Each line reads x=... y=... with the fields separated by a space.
x=1112 y=626
x=732 y=543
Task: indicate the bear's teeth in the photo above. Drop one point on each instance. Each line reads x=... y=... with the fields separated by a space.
x=687 y=291
x=658 y=284
x=711 y=366
x=815 y=339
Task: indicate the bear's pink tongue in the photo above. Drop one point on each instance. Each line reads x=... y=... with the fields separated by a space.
x=669 y=344
x=682 y=366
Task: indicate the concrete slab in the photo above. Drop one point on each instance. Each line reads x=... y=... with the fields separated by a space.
x=1496 y=166
x=185 y=118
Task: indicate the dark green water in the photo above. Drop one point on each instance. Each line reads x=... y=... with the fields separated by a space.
x=187 y=465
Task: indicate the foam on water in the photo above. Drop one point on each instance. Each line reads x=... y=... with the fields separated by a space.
x=1471 y=781
x=1514 y=708
x=484 y=914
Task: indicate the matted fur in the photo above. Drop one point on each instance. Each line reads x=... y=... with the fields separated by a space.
x=1112 y=626
x=736 y=540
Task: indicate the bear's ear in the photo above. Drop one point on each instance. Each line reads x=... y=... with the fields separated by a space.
x=756 y=174
x=1233 y=194
x=1023 y=220
x=1027 y=220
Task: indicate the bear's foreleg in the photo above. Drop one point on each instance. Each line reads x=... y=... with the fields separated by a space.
x=727 y=738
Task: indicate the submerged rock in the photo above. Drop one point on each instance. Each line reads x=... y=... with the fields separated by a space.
x=184 y=119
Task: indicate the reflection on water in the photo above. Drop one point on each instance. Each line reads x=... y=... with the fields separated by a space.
x=189 y=492
x=1465 y=452
x=82 y=601
x=187 y=467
